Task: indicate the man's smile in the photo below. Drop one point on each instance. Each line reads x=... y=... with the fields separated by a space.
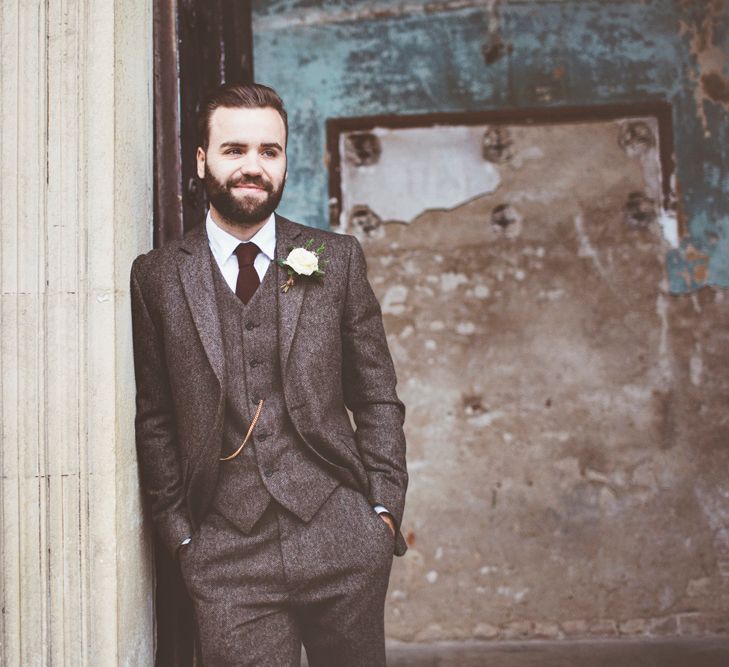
x=249 y=187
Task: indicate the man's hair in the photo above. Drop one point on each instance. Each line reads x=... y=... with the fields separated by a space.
x=238 y=96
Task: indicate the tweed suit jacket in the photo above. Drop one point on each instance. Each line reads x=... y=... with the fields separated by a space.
x=333 y=356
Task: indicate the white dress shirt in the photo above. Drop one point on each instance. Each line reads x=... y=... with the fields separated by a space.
x=223 y=247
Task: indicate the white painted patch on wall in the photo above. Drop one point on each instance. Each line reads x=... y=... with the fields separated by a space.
x=669 y=225
x=438 y=168
x=451 y=281
x=431 y=577
x=481 y=292
x=586 y=249
x=466 y=328
x=696 y=366
x=393 y=303
x=664 y=363
x=714 y=501
x=552 y=294
x=517 y=596
x=485 y=419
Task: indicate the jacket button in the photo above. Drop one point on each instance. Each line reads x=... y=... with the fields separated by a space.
x=249 y=326
x=267 y=472
x=254 y=363
x=256 y=400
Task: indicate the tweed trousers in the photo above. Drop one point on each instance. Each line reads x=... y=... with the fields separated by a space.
x=259 y=596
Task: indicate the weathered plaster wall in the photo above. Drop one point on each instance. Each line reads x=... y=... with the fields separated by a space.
x=356 y=58
x=566 y=427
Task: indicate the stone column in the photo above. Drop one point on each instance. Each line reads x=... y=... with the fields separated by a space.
x=75 y=204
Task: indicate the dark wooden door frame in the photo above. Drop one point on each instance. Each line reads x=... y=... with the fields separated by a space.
x=197 y=45
x=167 y=154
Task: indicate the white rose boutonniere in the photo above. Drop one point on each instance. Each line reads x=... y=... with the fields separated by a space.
x=302 y=261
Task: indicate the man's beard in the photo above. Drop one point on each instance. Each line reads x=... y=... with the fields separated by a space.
x=247 y=211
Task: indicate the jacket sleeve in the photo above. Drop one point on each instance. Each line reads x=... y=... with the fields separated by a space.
x=369 y=381
x=156 y=437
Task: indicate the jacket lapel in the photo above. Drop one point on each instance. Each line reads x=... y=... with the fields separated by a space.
x=195 y=269
x=289 y=303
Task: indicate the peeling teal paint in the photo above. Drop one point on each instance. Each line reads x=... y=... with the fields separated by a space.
x=411 y=59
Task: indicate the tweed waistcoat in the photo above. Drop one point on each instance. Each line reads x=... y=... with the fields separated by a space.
x=274 y=463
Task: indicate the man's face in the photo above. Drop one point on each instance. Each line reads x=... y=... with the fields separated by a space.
x=244 y=167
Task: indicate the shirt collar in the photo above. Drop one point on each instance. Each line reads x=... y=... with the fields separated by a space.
x=224 y=244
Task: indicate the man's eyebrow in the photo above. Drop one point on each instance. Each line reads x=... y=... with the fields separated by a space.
x=243 y=144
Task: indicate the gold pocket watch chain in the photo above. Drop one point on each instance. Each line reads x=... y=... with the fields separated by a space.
x=248 y=435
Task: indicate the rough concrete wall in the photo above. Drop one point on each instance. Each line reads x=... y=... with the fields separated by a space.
x=355 y=58
x=566 y=417
x=566 y=422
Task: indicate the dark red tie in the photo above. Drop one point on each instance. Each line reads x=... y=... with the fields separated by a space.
x=248 y=280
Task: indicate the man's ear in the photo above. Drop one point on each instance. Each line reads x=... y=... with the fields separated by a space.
x=200 y=162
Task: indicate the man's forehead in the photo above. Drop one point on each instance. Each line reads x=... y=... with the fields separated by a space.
x=237 y=123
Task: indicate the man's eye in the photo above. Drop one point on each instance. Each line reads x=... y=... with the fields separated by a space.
x=269 y=153
x=233 y=151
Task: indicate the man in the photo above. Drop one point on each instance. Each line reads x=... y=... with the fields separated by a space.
x=283 y=516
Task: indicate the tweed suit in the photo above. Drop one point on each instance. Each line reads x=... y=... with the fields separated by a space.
x=332 y=355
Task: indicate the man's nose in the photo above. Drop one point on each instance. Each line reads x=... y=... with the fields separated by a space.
x=251 y=164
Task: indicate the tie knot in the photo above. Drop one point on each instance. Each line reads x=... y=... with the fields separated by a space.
x=246 y=253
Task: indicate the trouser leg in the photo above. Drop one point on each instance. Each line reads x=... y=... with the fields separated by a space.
x=342 y=559
x=239 y=592
x=348 y=629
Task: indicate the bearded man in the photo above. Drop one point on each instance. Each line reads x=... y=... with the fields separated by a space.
x=253 y=337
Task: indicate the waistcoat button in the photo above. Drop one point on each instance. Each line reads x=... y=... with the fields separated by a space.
x=250 y=325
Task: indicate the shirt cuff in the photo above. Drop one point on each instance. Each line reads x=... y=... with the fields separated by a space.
x=381 y=509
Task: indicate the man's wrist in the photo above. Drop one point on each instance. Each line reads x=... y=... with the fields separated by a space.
x=387 y=517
